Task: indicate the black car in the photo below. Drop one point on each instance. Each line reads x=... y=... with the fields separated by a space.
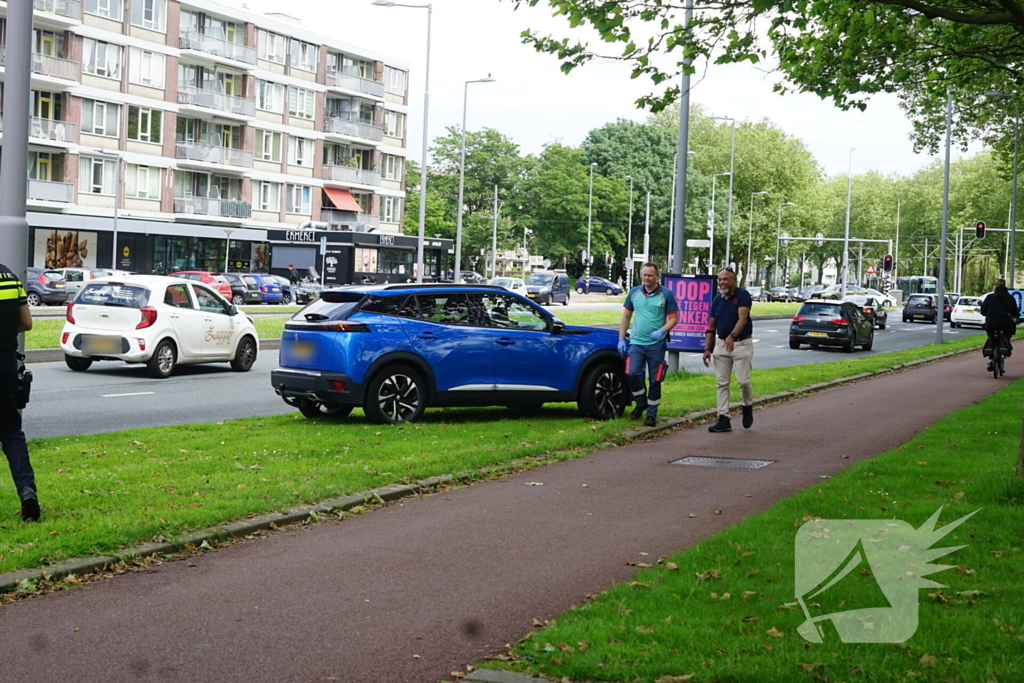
x=872 y=308
x=831 y=323
x=921 y=308
x=45 y=287
x=245 y=289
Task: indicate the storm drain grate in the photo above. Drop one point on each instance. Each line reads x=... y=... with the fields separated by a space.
x=723 y=462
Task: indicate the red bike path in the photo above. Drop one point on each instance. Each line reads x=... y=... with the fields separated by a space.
x=422 y=587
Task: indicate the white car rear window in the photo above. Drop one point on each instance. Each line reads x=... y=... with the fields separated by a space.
x=113 y=294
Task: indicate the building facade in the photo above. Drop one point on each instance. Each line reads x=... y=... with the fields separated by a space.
x=170 y=135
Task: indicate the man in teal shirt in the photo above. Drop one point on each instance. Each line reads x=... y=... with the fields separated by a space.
x=656 y=314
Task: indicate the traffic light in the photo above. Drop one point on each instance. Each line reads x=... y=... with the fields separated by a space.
x=887 y=263
x=979 y=229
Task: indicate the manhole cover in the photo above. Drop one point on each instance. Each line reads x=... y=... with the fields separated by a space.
x=723 y=462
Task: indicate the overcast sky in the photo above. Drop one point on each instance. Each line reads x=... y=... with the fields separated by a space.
x=534 y=103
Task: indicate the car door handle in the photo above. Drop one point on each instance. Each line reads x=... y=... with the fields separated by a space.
x=428 y=336
x=505 y=341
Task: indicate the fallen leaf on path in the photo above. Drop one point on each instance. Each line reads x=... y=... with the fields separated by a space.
x=775 y=633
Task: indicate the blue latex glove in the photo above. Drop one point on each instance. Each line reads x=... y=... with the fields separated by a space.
x=657 y=335
x=623 y=347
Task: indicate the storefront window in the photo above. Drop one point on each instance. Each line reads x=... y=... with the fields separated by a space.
x=172 y=254
x=394 y=262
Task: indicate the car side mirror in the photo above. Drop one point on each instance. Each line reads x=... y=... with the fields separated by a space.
x=232 y=309
x=557 y=326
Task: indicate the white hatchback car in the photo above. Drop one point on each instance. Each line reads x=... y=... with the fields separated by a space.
x=967 y=312
x=156 y=320
x=512 y=284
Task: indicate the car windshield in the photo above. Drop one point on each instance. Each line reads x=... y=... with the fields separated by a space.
x=859 y=300
x=540 y=279
x=918 y=300
x=113 y=294
x=968 y=301
x=332 y=305
x=821 y=310
x=219 y=278
x=501 y=281
x=53 y=275
x=250 y=281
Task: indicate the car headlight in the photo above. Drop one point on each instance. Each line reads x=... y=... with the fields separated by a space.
x=545 y=290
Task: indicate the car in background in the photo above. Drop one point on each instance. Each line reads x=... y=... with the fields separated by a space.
x=270 y=288
x=285 y=285
x=512 y=284
x=548 y=287
x=831 y=323
x=887 y=300
x=159 y=321
x=810 y=292
x=835 y=292
x=397 y=349
x=44 y=286
x=75 y=278
x=757 y=293
x=597 y=285
x=779 y=293
x=872 y=308
x=245 y=289
x=215 y=280
x=471 y=277
x=967 y=311
x=951 y=299
x=921 y=308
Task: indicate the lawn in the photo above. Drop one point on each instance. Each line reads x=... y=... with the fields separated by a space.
x=723 y=610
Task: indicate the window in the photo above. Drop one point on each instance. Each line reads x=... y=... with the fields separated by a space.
x=394 y=80
x=146 y=68
x=357 y=67
x=268 y=195
x=142 y=182
x=391 y=167
x=144 y=125
x=271 y=47
x=270 y=96
x=96 y=176
x=394 y=124
x=149 y=14
x=100 y=118
x=111 y=9
x=391 y=209
x=300 y=151
x=301 y=102
x=101 y=59
x=299 y=199
x=268 y=145
x=333 y=62
x=507 y=311
x=303 y=55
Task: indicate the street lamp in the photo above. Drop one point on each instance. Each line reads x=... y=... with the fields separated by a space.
x=711 y=223
x=732 y=171
x=629 y=238
x=426 y=112
x=778 y=234
x=227 y=248
x=462 y=177
x=109 y=154
x=672 y=207
x=750 y=232
x=1013 y=196
x=846 y=235
x=590 y=216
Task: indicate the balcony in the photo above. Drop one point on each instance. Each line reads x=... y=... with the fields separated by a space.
x=205 y=206
x=217 y=47
x=349 y=220
x=48 y=129
x=347 y=174
x=71 y=9
x=353 y=127
x=48 y=65
x=217 y=101
x=353 y=81
x=213 y=154
x=49 y=191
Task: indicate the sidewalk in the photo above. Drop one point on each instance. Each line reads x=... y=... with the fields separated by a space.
x=419 y=589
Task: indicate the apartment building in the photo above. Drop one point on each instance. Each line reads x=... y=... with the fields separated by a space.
x=201 y=136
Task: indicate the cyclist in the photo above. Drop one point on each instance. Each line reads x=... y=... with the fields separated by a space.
x=1001 y=312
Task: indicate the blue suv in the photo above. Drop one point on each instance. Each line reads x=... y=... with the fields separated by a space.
x=398 y=349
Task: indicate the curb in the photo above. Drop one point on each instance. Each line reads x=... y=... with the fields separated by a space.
x=54 y=355
x=239 y=529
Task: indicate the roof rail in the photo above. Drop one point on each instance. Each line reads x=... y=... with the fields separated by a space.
x=434 y=285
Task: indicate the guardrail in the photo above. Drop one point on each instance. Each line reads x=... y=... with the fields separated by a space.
x=349 y=220
x=209 y=99
x=71 y=9
x=350 y=81
x=49 y=191
x=348 y=174
x=205 y=206
x=353 y=128
x=49 y=129
x=213 y=154
x=217 y=46
x=48 y=65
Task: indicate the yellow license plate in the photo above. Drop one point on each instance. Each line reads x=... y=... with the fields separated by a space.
x=818 y=334
x=532 y=296
x=302 y=350
x=918 y=315
x=58 y=285
x=103 y=345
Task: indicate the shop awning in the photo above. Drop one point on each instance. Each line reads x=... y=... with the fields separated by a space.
x=342 y=199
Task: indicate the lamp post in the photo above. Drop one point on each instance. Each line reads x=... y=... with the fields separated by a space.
x=590 y=216
x=778 y=234
x=750 y=232
x=426 y=112
x=462 y=178
x=1013 y=195
x=846 y=234
x=672 y=218
x=227 y=248
x=711 y=223
x=629 y=238
x=732 y=170
x=116 y=156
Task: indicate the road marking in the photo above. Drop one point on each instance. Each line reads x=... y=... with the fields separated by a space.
x=137 y=393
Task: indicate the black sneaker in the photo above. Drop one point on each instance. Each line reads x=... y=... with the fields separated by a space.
x=650 y=421
x=636 y=414
x=724 y=424
x=30 y=511
x=989 y=366
x=748 y=416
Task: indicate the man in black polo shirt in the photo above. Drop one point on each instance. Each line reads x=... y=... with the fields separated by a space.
x=728 y=340
x=15 y=318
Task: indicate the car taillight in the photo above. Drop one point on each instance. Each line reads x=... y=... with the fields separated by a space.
x=334 y=326
x=265 y=289
x=69 y=316
x=148 y=317
x=840 y=321
x=64 y=337
x=869 y=310
x=799 y=318
x=43 y=280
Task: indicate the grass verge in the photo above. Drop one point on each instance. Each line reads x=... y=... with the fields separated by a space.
x=105 y=493
x=718 y=611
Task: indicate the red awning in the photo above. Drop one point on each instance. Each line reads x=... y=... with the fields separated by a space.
x=342 y=199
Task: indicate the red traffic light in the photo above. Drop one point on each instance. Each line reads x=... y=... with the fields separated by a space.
x=979 y=230
x=887 y=263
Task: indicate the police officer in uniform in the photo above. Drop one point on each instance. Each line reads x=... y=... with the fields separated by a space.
x=15 y=318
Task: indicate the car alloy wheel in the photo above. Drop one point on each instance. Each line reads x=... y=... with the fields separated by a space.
x=579 y=290
x=609 y=291
x=238 y=299
x=164 y=359
x=245 y=355
x=34 y=299
x=603 y=393
x=395 y=395
x=315 y=409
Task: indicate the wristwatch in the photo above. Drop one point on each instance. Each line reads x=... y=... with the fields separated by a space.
x=733 y=335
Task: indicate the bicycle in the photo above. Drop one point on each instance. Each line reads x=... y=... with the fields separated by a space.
x=998 y=354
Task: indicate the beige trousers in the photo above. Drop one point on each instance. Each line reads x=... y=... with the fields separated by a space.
x=740 y=360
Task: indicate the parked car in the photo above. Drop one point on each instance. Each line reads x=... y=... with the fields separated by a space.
x=471 y=277
x=512 y=284
x=75 y=278
x=872 y=308
x=835 y=292
x=831 y=323
x=285 y=285
x=270 y=288
x=967 y=311
x=757 y=293
x=398 y=349
x=597 y=285
x=160 y=321
x=245 y=289
x=548 y=287
x=45 y=287
x=810 y=292
x=215 y=280
x=921 y=308
x=779 y=294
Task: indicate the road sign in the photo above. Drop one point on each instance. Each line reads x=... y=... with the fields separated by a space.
x=699 y=244
x=323 y=244
x=785 y=239
x=640 y=257
x=819 y=240
x=870 y=270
